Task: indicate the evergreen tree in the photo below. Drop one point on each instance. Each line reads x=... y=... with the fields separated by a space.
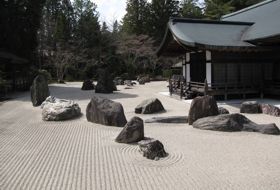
x=135 y=19
x=191 y=9
x=160 y=12
x=214 y=9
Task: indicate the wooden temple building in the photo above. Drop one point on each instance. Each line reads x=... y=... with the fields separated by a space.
x=236 y=55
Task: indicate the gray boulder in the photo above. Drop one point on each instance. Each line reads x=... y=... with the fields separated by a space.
x=105 y=82
x=128 y=82
x=202 y=106
x=105 y=112
x=250 y=107
x=149 y=106
x=88 y=85
x=270 y=110
x=132 y=132
x=223 y=110
x=172 y=119
x=143 y=79
x=152 y=149
x=234 y=122
x=39 y=90
x=55 y=109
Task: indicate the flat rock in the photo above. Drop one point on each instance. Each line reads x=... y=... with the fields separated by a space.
x=149 y=106
x=250 y=107
x=55 y=109
x=39 y=90
x=88 y=85
x=234 y=122
x=223 y=110
x=270 y=110
x=105 y=112
x=202 y=106
x=172 y=119
x=152 y=149
x=132 y=132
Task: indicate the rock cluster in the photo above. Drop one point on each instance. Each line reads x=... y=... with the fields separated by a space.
x=149 y=106
x=202 y=106
x=250 y=107
x=105 y=112
x=55 y=109
x=270 y=110
x=143 y=79
x=39 y=90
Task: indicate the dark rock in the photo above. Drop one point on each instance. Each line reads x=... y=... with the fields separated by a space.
x=172 y=119
x=39 y=90
x=223 y=110
x=128 y=82
x=143 y=79
x=60 y=81
x=55 y=109
x=202 y=106
x=132 y=132
x=270 y=110
x=118 y=81
x=105 y=112
x=105 y=82
x=250 y=107
x=88 y=85
x=234 y=122
x=152 y=149
x=149 y=106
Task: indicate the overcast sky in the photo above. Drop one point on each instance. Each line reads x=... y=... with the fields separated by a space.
x=111 y=10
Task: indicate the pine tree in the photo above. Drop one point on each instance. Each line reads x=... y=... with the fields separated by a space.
x=191 y=9
x=135 y=19
x=160 y=12
x=214 y=9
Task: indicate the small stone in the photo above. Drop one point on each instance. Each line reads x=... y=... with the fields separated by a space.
x=223 y=110
x=152 y=149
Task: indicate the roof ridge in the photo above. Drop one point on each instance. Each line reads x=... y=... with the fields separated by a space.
x=248 y=8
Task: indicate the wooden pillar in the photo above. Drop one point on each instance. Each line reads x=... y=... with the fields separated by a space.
x=187 y=67
x=209 y=67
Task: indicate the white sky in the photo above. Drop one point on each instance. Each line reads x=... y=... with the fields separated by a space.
x=111 y=10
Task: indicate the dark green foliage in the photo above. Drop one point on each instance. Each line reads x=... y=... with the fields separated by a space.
x=191 y=9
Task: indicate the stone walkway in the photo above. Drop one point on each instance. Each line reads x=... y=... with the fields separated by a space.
x=80 y=155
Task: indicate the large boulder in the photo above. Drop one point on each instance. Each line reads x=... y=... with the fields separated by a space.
x=105 y=112
x=149 y=106
x=55 y=109
x=171 y=119
x=105 y=82
x=202 y=106
x=234 y=122
x=250 y=107
x=143 y=79
x=152 y=149
x=270 y=110
x=88 y=85
x=132 y=132
x=39 y=90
